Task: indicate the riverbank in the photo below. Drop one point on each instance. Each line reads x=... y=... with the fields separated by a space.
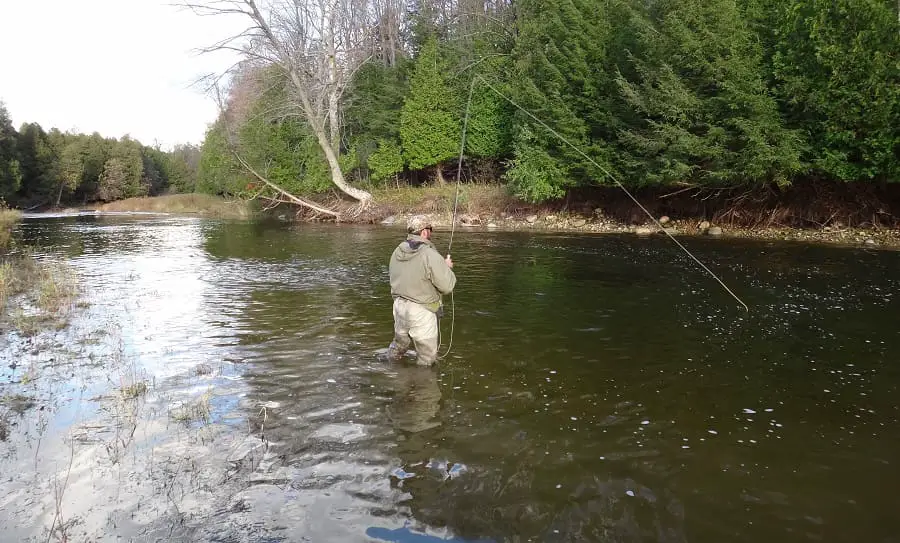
x=199 y=204
x=561 y=222
x=490 y=207
x=8 y=219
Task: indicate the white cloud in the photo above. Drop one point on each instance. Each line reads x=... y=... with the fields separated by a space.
x=112 y=66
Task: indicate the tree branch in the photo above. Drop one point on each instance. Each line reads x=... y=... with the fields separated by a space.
x=293 y=199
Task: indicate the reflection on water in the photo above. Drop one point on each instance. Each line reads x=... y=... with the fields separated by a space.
x=598 y=389
x=416 y=400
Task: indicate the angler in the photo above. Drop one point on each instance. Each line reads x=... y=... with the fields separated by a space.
x=419 y=278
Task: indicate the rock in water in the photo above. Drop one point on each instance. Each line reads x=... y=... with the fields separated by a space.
x=469 y=220
x=389 y=221
x=578 y=223
x=664 y=219
x=531 y=219
x=870 y=241
x=714 y=231
x=491 y=225
x=703 y=226
x=643 y=231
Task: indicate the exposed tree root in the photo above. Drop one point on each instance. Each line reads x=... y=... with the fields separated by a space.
x=806 y=204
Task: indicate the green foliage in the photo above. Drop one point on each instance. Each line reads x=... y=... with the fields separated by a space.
x=39 y=156
x=373 y=101
x=533 y=174
x=155 y=175
x=71 y=165
x=705 y=114
x=386 y=161
x=39 y=168
x=429 y=121
x=219 y=172
x=560 y=76
x=489 y=129
x=113 y=180
x=296 y=161
x=371 y=110
x=10 y=168
x=719 y=93
x=281 y=148
x=182 y=168
x=123 y=173
x=837 y=73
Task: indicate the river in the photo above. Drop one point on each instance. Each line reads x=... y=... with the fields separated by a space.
x=597 y=388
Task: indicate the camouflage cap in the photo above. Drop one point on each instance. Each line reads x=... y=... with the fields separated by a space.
x=417 y=223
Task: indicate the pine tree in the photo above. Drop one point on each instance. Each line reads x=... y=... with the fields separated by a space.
x=838 y=77
x=560 y=76
x=488 y=132
x=39 y=152
x=219 y=173
x=71 y=167
x=10 y=169
x=703 y=112
x=429 y=122
x=96 y=152
x=123 y=172
x=386 y=161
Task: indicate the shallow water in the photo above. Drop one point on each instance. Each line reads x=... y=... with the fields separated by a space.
x=598 y=388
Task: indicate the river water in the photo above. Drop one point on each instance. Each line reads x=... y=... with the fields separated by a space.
x=597 y=388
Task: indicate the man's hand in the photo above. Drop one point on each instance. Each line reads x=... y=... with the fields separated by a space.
x=449 y=262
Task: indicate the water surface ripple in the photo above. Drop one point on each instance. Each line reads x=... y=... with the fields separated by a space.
x=599 y=388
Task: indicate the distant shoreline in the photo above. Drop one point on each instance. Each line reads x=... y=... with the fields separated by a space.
x=485 y=208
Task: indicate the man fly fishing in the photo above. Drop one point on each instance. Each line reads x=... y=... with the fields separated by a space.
x=419 y=278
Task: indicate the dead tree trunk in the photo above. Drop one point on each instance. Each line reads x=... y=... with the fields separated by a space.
x=307 y=40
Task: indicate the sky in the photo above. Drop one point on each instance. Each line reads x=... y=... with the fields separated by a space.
x=116 y=67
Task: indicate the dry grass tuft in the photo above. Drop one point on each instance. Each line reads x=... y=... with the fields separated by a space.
x=197 y=410
x=135 y=390
x=44 y=293
x=8 y=219
x=57 y=288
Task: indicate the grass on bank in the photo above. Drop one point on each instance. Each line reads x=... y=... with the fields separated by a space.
x=8 y=219
x=201 y=204
x=49 y=289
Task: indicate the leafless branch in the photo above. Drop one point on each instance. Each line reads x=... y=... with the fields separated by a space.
x=319 y=46
x=287 y=195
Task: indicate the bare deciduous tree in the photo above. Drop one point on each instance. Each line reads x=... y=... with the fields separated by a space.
x=318 y=44
x=389 y=17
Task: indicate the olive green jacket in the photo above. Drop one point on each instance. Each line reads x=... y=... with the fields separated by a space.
x=419 y=273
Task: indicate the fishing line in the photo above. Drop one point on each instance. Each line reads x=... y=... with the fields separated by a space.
x=580 y=152
x=462 y=148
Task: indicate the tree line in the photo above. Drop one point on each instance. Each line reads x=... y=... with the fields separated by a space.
x=40 y=169
x=360 y=94
x=693 y=93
